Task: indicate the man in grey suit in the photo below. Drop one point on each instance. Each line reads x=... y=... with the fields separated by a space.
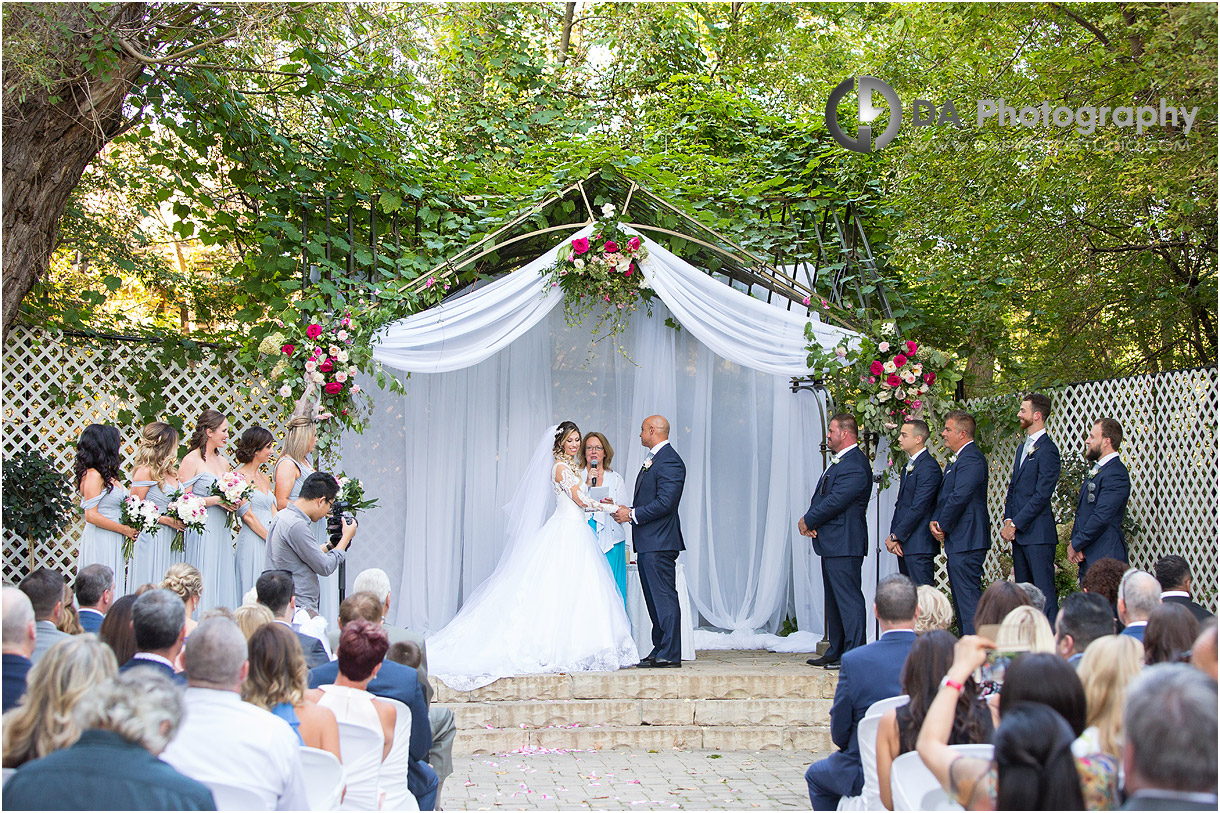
x=45 y=589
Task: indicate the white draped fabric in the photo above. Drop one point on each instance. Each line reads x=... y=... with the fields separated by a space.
x=490 y=368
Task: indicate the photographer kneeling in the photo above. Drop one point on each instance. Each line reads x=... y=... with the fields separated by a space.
x=292 y=546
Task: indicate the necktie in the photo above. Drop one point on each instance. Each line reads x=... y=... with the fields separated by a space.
x=1026 y=449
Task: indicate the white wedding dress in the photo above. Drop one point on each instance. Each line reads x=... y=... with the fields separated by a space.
x=550 y=606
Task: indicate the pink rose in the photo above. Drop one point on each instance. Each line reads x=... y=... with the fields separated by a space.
x=911 y=348
x=326 y=366
x=355 y=388
x=627 y=272
x=580 y=245
x=876 y=367
x=313 y=331
x=872 y=379
x=333 y=388
x=916 y=404
x=611 y=247
x=929 y=378
x=633 y=244
x=287 y=349
x=310 y=366
x=883 y=347
x=893 y=380
x=900 y=360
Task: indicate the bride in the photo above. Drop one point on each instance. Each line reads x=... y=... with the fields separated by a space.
x=551 y=605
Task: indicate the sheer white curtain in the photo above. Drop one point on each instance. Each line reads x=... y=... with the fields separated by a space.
x=503 y=363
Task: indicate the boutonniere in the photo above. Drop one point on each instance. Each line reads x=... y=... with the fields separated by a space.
x=834 y=461
x=647 y=465
x=910 y=466
x=952 y=459
x=1093 y=471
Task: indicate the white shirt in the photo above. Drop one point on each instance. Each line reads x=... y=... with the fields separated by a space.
x=915 y=456
x=149 y=656
x=841 y=452
x=1174 y=594
x=1034 y=437
x=223 y=739
x=1103 y=461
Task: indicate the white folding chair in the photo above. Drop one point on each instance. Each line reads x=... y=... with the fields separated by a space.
x=323 y=778
x=866 y=740
x=232 y=797
x=361 y=748
x=395 y=766
x=910 y=781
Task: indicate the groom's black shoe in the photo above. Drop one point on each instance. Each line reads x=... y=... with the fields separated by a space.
x=646 y=663
x=655 y=664
x=823 y=660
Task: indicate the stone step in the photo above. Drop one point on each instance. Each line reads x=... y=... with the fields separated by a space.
x=647 y=737
x=539 y=714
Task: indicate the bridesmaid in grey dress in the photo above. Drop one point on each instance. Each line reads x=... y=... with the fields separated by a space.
x=254 y=450
x=98 y=479
x=300 y=439
x=155 y=478
x=211 y=552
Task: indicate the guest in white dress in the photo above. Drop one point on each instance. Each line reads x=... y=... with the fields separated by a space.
x=362 y=646
x=300 y=440
x=99 y=480
x=594 y=459
x=254 y=450
x=211 y=552
x=155 y=478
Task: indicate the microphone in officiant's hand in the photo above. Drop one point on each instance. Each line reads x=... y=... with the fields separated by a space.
x=593 y=472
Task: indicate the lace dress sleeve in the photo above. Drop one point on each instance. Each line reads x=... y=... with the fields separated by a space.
x=570 y=484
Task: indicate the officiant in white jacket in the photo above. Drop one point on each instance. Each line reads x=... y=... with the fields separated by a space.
x=596 y=454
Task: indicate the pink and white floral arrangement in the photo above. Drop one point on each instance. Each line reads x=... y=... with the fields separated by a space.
x=191 y=512
x=143 y=515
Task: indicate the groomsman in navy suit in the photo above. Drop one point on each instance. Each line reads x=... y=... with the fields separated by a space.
x=960 y=518
x=909 y=539
x=1029 y=523
x=836 y=523
x=656 y=534
x=1098 y=531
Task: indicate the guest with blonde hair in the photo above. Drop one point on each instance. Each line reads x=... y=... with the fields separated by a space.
x=933 y=612
x=278 y=682
x=155 y=477
x=186 y=582
x=1110 y=663
x=44 y=720
x=252 y=617
x=1026 y=628
x=69 y=620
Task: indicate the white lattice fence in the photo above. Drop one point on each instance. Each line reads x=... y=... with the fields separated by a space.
x=1170 y=447
x=36 y=361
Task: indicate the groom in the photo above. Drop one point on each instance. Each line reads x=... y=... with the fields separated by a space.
x=657 y=536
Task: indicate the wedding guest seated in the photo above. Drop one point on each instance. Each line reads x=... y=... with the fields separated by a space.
x=1169 y=755
x=277 y=683
x=1025 y=628
x=869 y=673
x=45 y=589
x=251 y=617
x=158 y=619
x=934 y=611
x=94 y=595
x=1033 y=767
x=1170 y=634
x=116 y=631
x=277 y=593
x=1103 y=578
x=16 y=644
x=1036 y=596
x=376 y=581
x=225 y=741
x=998 y=601
x=398 y=682
x=1203 y=653
x=1139 y=593
x=1083 y=618
x=186 y=582
x=407 y=653
x=126 y=722
x=929 y=660
x=1109 y=665
x=69 y=621
x=1175 y=578
x=362 y=647
x=44 y=720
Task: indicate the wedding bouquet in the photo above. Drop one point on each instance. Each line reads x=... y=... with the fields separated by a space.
x=141 y=515
x=232 y=488
x=191 y=512
x=351 y=491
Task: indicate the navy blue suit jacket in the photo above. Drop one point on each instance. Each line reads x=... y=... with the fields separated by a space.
x=1136 y=632
x=868 y=674
x=1098 y=531
x=400 y=683
x=176 y=677
x=91 y=621
x=839 y=505
x=917 y=492
x=658 y=490
x=14 y=671
x=103 y=771
x=1029 y=493
x=961 y=508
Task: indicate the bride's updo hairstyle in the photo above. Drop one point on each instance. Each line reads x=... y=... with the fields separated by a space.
x=209 y=419
x=158 y=450
x=561 y=434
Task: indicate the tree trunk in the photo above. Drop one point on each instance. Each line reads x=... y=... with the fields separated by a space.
x=565 y=37
x=46 y=149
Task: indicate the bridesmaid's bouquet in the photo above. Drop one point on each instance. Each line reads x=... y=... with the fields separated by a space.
x=143 y=515
x=232 y=488
x=191 y=512
x=351 y=493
